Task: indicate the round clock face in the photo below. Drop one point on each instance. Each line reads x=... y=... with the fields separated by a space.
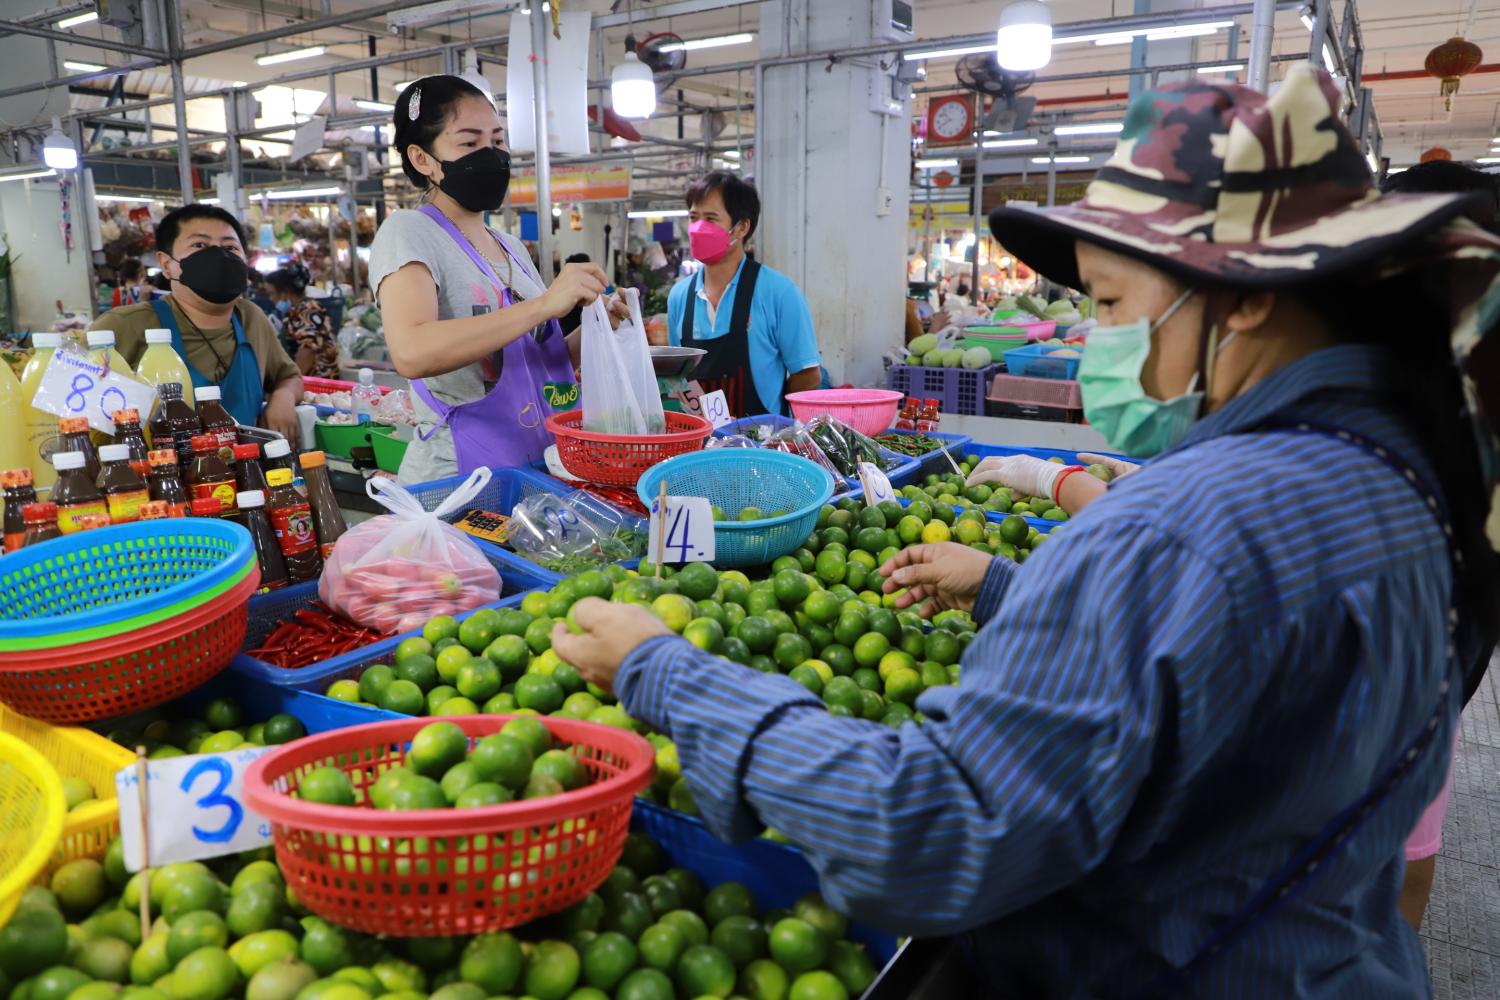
x=951 y=120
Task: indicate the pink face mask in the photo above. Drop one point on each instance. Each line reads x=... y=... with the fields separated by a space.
x=708 y=242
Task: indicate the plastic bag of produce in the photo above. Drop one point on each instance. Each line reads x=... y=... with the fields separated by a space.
x=731 y=441
x=395 y=571
x=847 y=447
x=620 y=394
x=798 y=440
x=573 y=532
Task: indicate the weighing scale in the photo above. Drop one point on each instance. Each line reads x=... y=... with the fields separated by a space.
x=673 y=365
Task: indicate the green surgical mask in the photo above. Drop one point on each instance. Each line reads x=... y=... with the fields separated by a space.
x=1109 y=377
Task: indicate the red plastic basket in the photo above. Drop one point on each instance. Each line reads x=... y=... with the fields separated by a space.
x=432 y=872
x=869 y=411
x=138 y=669
x=620 y=460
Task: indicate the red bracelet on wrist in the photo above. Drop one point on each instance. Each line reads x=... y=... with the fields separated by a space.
x=1057 y=486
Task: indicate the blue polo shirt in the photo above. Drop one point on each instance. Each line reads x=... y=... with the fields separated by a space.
x=781 y=328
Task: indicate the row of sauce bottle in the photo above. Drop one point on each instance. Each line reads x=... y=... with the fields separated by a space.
x=293 y=528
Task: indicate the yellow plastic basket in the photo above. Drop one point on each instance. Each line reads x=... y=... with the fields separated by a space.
x=75 y=752
x=31 y=818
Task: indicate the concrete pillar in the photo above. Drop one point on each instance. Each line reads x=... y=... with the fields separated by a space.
x=833 y=179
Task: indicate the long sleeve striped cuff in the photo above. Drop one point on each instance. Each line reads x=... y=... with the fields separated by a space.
x=642 y=683
x=992 y=590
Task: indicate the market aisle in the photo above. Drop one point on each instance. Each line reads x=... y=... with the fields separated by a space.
x=1462 y=929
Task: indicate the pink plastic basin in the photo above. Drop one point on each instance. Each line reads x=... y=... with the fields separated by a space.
x=869 y=411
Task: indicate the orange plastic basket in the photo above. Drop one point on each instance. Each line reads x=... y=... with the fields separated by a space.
x=432 y=872
x=621 y=460
x=75 y=752
x=137 y=669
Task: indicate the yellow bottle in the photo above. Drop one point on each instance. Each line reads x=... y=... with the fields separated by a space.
x=41 y=426
x=102 y=352
x=161 y=363
x=12 y=421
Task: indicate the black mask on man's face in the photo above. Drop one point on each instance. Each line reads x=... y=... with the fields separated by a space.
x=215 y=274
x=477 y=181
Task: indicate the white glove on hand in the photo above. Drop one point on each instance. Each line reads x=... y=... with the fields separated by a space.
x=1119 y=467
x=1023 y=474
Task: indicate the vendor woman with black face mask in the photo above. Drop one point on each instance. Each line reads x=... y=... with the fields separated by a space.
x=225 y=339
x=467 y=317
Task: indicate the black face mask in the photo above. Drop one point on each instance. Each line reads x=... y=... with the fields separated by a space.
x=477 y=181
x=215 y=274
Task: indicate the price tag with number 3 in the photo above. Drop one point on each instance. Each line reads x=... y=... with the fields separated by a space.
x=196 y=805
x=683 y=531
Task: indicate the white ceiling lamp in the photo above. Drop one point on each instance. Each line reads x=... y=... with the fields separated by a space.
x=1090 y=128
x=83 y=67
x=58 y=151
x=1191 y=29
x=716 y=42
x=1059 y=159
x=368 y=105
x=1226 y=68
x=966 y=50
x=133 y=199
x=284 y=194
x=632 y=88
x=1008 y=143
x=658 y=213
x=76 y=20
x=1024 y=38
x=935 y=164
x=291 y=55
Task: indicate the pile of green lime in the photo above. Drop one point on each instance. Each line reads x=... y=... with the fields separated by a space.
x=441 y=770
x=233 y=930
x=951 y=491
x=219 y=726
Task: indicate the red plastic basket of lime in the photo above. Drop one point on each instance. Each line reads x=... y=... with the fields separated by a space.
x=107 y=622
x=421 y=827
x=618 y=459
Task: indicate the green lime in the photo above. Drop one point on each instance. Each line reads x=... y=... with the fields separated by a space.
x=223 y=713
x=552 y=971
x=493 y=962
x=577 y=705
x=850 y=626
x=539 y=635
x=403 y=697
x=501 y=704
x=479 y=680
x=852 y=966
x=791 y=650
x=440 y=628
x=818 y=985
x=705 y=633
x=869 y=649
x=608 y=959
x=193 y=931
x=742 y=938
x=451 y=660
x=661 y=894
x=645 y=984
x=542 y=786
x=530 y=731
x=414 y=646
x=415 y=791
x=281 y=980
x=563 y=766
x=539 y=693
x=254 y=952
x=283 y=728
x=327 y=786
x=481 y=794
x=57 y=983
x=258 y=906
x=697 y=581
x=763 y=979
x=437 y=747
x=438 y=696
x=344 y=690
x=105 y=958
x=728 y=899
x=661 y=945
x=790 y=587
x=903 y=685
x=797 y=945
x=150 y=962
x=511 y=621
x=503 y=759
x=756 y=633
x=325 y=947
x=704 y=970
x=459 y=778
x=510 y=654
x=825 y=918
x=420 y=670
x=475 y=633
x=627 y=913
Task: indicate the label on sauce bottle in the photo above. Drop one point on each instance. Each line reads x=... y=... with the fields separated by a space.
x=125 y=507
x=294 y=529
x=68 y=516
x=222 y=491
x=13 y=540
x=227 y=440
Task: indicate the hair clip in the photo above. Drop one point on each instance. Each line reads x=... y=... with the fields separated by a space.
x=414 y=104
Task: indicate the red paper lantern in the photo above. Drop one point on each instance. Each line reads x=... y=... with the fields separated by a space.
x=942 y=179
x=1450 y=62
x=1435 y=153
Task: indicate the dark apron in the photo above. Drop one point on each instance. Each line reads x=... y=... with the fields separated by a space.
x=727 y=364
x=242 y=391
x=505 y=427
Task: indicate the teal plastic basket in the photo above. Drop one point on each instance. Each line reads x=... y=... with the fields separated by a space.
x=735 y=478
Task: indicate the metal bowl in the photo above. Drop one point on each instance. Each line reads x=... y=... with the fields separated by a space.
x=676 y=362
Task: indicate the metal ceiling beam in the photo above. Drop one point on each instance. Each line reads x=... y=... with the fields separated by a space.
x=301 y=27
x=665 y=10
x=85 y=41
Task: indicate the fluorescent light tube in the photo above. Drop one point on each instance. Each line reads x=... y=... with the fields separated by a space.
x=716 y=42
x=658 y=213
x=1176 y=31
x=1009 y=143
x=1059 y=159
x=28 y=175
x=1090 y=128
x=76 y=20
x=368 y=105
x=1226 y=68
x=291 y=55
x=946 y=53
x=83 y=67
x=287 y=193
x=935 y=164
x=130 y=198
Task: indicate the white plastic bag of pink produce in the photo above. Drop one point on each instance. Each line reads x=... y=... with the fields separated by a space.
x=395 y=571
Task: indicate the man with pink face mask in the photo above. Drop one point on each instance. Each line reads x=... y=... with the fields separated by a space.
x=753 y=321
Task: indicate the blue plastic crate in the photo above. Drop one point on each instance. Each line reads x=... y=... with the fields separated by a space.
x=1069 y=457
x=933 y=461
x=778 y=875
x=1035 y=361
x=269 y=610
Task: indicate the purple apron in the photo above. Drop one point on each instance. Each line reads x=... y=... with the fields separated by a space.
x=506 y=426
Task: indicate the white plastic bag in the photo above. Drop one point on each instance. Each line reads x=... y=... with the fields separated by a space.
x=620 y=395
x=394 y=572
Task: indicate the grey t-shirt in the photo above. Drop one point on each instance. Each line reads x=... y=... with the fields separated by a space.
x=409 y=236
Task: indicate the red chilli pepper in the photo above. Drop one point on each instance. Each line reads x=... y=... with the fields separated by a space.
x=312 y=635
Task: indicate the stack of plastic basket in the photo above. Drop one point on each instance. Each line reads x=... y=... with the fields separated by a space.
x=105 y=622
x=31 y=817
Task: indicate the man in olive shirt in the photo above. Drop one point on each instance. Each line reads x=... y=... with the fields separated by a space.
x=224 y=338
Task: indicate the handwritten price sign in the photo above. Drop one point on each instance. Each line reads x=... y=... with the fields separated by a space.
x=715 y=409
x=196 y=805
x=73 y=386
x=683 y=530
x=878 y=488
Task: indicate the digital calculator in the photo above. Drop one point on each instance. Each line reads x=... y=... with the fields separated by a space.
x=484 y=524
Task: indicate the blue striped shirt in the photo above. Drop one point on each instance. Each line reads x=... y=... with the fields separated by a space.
x=1169 y=699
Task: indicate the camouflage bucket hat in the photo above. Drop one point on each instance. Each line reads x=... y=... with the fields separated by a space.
x=1220 y=184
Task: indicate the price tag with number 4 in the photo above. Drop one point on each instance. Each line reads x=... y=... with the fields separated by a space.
x=683 y=532
x=197 y=808
x=878 y=488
